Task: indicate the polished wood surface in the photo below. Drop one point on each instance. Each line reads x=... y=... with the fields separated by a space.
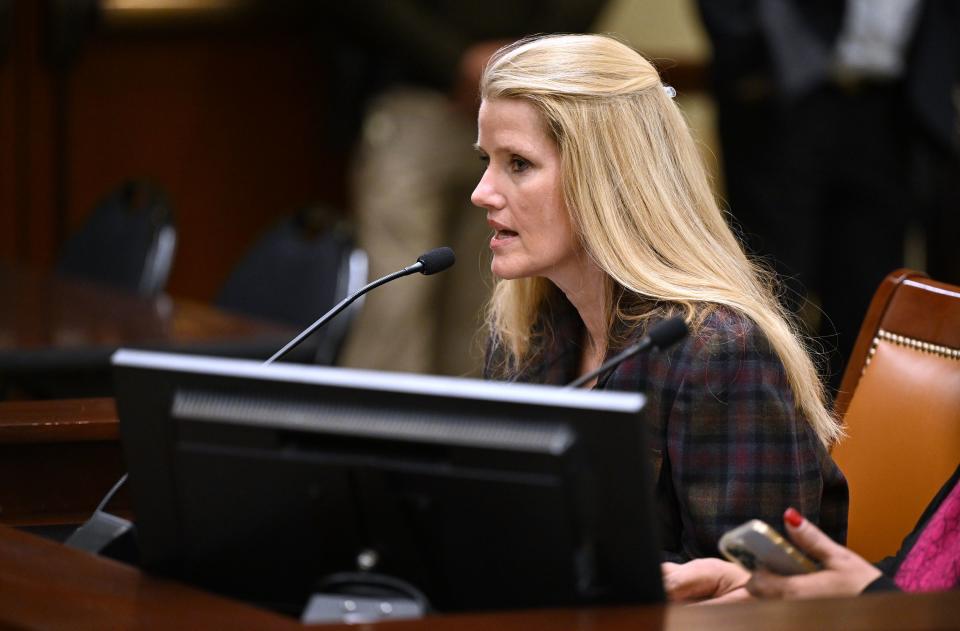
x=880 y=612
x=900 y=403
x=65 y=420
x=48 y=313
x=57 y=460
x=45 y=585
x=57 y=334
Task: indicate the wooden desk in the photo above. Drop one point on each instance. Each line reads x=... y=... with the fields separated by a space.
x=60 y=333
x=45 y=585
x=918 y=612
x=57 y=460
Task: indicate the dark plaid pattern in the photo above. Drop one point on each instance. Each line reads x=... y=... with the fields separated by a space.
x=728 y=443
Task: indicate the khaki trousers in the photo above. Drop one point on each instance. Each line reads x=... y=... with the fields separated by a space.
x=411 y=183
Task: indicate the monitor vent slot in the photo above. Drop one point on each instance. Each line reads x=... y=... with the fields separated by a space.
x=420 y=426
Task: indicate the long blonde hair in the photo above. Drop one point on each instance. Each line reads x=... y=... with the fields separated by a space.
x=640 y=201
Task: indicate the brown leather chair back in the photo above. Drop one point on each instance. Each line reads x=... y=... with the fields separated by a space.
x=900 y=401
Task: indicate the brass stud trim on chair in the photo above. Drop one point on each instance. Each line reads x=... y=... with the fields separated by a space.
x=909 y=342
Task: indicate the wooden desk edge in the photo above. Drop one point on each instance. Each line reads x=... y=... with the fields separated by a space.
x=64 y=420
x=45 y=585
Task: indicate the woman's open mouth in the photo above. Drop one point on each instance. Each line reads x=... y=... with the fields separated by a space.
x=502 y=237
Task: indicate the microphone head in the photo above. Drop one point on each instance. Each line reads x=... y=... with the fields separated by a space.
x=666 y=333
x=436 y=260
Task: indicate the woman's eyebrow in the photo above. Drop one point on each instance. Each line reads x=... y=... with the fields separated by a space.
x=511 y=149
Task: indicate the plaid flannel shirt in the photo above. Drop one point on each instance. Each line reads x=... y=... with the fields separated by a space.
x=728 y=443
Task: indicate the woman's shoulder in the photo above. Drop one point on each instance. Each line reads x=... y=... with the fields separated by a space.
x=715 y=330
x=724 y=348
x=725 y=330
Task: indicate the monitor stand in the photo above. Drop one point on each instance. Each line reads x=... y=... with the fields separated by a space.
x=99 y=533
x=361 y=597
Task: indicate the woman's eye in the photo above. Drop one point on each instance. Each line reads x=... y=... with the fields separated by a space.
x=518 y=165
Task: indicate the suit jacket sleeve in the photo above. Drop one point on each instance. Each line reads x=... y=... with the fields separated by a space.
x=736 y=447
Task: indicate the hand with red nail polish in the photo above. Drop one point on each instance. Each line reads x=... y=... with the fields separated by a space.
x=844 y=572
x=792 y=517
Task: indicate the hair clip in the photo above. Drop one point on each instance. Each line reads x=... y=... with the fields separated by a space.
x=669 y=90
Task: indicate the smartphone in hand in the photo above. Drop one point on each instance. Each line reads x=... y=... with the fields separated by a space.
x=755 y=544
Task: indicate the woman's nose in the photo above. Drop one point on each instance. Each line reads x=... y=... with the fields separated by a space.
x=485 y=195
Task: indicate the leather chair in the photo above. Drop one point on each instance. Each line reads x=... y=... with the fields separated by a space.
x=900 y=402
x=128 y=241
x=294 y=273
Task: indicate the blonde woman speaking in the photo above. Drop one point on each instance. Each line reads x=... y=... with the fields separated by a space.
x=604 y=223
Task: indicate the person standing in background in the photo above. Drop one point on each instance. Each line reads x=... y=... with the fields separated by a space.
x=839 y=131
x=416 y=65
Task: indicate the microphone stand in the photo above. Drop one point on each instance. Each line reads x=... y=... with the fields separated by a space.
x=428 y=263
x=103 y=529
x=662 y=335
x=610 y=363
x=340 y=306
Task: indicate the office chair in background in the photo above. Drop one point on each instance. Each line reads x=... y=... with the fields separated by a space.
x=900 y=402
x=296 y=272
x=127 y=242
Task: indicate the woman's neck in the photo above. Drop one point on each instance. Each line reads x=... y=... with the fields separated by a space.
x=586 y=291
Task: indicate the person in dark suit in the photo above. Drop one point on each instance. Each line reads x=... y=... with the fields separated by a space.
x=838 y=128
x=604 y=224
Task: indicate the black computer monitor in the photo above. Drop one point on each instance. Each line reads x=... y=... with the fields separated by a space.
x=262 y=482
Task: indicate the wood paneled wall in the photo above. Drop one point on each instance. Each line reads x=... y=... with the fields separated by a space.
x=228 y=119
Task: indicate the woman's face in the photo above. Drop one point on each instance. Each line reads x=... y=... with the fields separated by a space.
x=520 y=189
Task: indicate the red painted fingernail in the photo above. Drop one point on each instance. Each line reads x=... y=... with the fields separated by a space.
x=793 y=517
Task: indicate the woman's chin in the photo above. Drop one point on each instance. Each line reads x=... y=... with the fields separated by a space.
x=509 y=275
x=500 y=276
x=507 y=268
x=505 y=271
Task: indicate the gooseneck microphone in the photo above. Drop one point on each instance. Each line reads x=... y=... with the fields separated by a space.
x=661 y=335
x=102 y=529
x=431 y=262
x=436 y=260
